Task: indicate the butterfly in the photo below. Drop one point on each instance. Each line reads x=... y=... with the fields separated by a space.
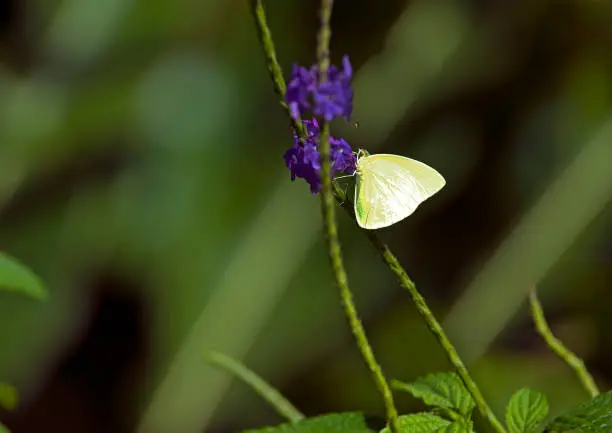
x=389 y=188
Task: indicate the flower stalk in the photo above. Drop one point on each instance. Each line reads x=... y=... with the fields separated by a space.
x=430 y=319
x=329 y=190
x=436 y=329
x=331 y=230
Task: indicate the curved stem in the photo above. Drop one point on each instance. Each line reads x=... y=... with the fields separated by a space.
x=260 y=386
x=437 y=330
x=432 y=323
x=576 y=363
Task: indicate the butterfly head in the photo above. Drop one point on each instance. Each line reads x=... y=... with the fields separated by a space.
x=360 y=154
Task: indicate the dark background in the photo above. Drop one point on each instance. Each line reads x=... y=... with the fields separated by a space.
x=141 y=176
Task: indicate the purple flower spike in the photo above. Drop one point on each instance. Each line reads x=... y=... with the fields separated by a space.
x=304 y=160
x=302 y=83
x=333 y=98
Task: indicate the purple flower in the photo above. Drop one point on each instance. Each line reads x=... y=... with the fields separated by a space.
x=304 y=161
x=333 y=98
x=342 y=156
x=302 y=83
x=312 y=129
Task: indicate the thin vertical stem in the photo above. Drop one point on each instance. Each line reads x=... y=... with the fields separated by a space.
x=576 y=363
x=260 y=386
x=331 y=230
x=324 y=38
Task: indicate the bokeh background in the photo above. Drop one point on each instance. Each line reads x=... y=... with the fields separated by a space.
x=142 y=178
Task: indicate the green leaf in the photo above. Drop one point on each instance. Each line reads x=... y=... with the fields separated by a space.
x=3 y=429
x=594 y=415
x=15 y=276
x=456 y=427
x=424 y=422
x=445 y=390
x=353 y=422
x=8 y=396
x=526 y=410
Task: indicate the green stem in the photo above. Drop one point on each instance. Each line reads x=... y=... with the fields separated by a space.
x=330 y=229
x=276 y=73
x=335 y=254
x=261 y=387
x=431 y=321
x=324 y=38
x=437 y=330
x=576 y=363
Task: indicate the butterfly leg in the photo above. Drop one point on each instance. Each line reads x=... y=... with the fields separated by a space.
x=344 y=177
x=345 y=189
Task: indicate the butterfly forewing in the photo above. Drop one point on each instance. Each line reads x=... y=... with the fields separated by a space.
x=390 y=188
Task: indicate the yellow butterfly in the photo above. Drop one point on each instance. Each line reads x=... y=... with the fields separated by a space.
x=390 y=187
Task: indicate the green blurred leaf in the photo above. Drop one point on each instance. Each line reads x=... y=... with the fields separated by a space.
x=421 y=423
x=526 y=410
x=349 y=422
x=445 y=390
x=8 y=396
x=3 y=429
x=594 y=415
x=17 y=277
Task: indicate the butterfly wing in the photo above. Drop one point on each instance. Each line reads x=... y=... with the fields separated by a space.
x=390 y=188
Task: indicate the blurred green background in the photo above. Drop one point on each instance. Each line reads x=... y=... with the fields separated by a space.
x=142 y=178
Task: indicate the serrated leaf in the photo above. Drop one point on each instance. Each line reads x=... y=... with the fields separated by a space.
x=423 y=422
x=353 y=422
x=17 y=277
x=594 y=415
x=8 y=396
x=3 y=429
x=456 y=427
x=450 y=414
x=445 y=390
x=526 y=410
